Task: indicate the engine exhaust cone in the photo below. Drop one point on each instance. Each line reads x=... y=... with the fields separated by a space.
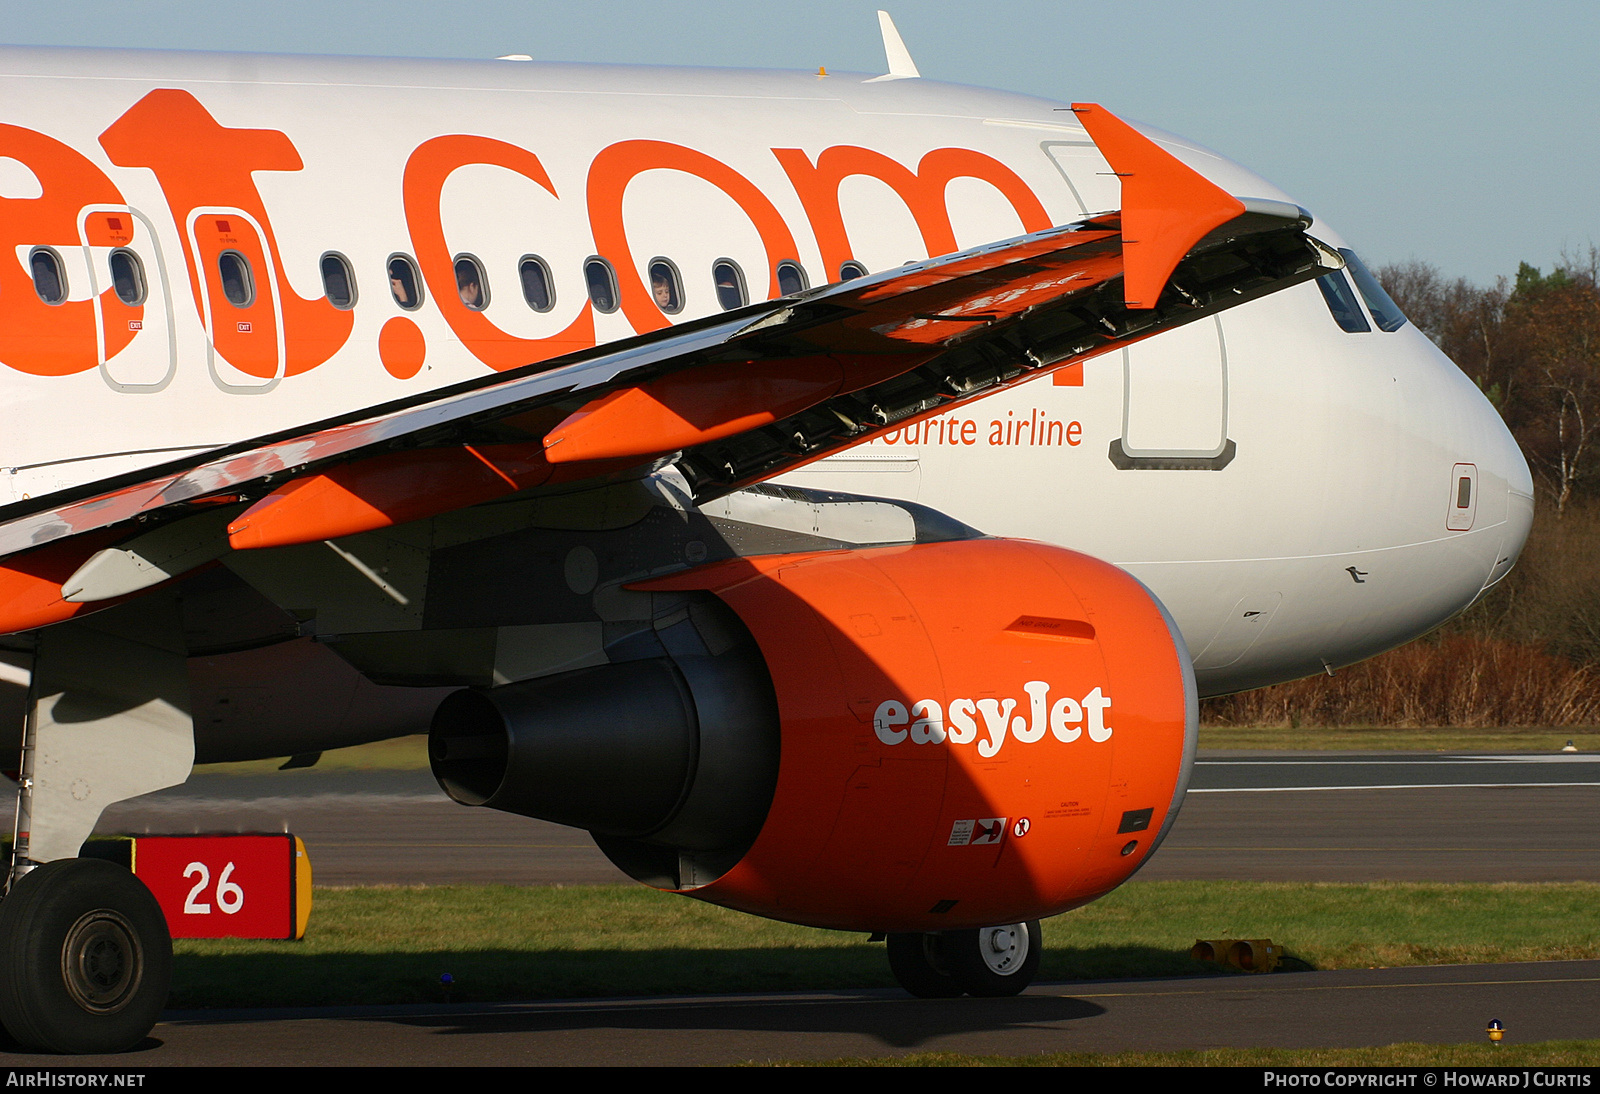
x=611 y=749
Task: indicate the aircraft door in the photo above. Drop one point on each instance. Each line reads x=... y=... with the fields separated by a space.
x=1175 y=405
x=239 y=296
x=135 y=337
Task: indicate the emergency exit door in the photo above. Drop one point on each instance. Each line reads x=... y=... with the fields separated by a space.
x=135 y=337
x=239 y=296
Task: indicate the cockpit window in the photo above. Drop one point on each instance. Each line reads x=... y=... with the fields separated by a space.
x=1342 y=302
x=1385 y=312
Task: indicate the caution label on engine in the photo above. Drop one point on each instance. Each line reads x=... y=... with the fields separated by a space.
x=972 y=833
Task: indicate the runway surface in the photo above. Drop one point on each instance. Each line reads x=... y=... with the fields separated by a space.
x=1254 y=816
x=1351 y=1008
x=1301 y=816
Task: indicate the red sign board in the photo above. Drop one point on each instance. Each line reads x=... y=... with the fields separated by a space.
x=227 y=886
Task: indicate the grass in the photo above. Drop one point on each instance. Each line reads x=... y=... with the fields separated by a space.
x=1546 y=1054
x=398 y=754
x=499 y=943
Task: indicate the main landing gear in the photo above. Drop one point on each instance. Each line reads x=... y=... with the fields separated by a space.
x=988 y=962
x=85 y=958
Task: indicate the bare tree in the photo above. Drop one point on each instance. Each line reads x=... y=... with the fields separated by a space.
x=1462 y=319
x=1553 y=322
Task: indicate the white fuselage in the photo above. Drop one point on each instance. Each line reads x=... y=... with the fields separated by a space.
x=1287 y=489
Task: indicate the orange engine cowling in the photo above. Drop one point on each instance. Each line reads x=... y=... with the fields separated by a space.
x=975 y=732
x=968 y=733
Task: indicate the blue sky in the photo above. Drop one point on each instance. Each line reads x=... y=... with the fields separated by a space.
x=1463 y=134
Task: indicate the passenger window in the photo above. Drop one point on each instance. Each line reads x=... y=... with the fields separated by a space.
x=791 y=278
x=537 y=288
x=404 y=282
x=1385 y=312
x=237 y=283
x=1342 y=302
x=49 y=280
x=127 y=277
x=729 y=280
x=602 y=282
x=471 y=282
x=338 y=281
x=849 y=271
x=666 y=287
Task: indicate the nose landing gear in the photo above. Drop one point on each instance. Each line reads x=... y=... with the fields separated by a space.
x=988 y=962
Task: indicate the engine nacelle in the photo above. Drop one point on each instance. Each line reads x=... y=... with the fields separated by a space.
x=955 y=734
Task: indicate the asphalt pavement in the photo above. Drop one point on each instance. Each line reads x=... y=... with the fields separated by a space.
x=1257 y=816
x=1447 y=1004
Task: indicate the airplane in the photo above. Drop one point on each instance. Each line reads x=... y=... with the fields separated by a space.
x=834 y=492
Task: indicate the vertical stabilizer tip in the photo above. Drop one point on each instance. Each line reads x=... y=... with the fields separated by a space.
x=901 y=66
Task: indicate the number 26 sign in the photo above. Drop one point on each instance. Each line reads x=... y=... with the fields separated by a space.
x=228 y=886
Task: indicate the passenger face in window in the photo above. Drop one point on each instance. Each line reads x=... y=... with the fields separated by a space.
x=469 y=284
x=665 y=288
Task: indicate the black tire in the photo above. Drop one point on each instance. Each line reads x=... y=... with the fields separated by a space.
x=917 y=961
x=85 y=958
x=994 y=961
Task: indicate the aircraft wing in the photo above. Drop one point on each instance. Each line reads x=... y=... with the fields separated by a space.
x=732 y=399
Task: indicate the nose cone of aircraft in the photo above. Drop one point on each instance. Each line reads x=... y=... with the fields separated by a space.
x=1489 y=505
x=1508 y=466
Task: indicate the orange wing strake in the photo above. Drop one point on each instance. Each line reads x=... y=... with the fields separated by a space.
x=1167 y=207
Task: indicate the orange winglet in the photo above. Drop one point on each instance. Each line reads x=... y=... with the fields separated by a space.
x=30 y=583
x=692 y=407
x=1167 y=206
x=386 y=490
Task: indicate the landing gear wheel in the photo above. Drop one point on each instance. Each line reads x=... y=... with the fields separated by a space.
x=85 y=958
x=917 y=961
x=994 y=961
